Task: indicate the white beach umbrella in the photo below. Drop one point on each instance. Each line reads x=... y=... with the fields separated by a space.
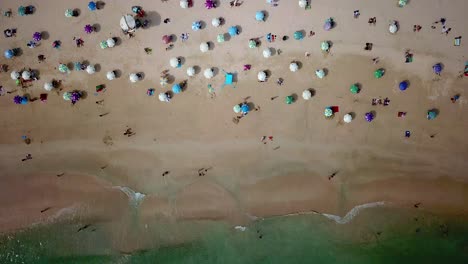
x=174 y=62
x=90 y=69
x=127 y=23
x=26 y=75
x=216 y=22
x=48 y=86
x=110 y=42
x=306 y=94
x=110 y=75
x=267 y=53
x=204 y=47
x=208 y=73
x=262 y=76
x=14 y=75
x=393 y=27
x=348 y=118
x=320 y=73
x=163 y=97
x=293 y=67
x=163 y=81
x=191 y=71
x=184 y=3
x=134 y=78
x=302 y=3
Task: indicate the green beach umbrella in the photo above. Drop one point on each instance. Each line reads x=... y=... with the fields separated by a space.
x=325 y=46
x=63 y=68
x=431 y=114
x=402 y=3
x=252 y=44
x=379 y=73
x=328 y=112
x=298 y=35
x=103 y=44
x=68 y=13
x=220 y=38
x=289 y=99
x=18 y=82
x=66 y=96
x=354 y=89
x=21 y=10
x=237 y=108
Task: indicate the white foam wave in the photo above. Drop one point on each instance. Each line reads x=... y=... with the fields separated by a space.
x=352 y=213
x=135 y=198
x=338 y=219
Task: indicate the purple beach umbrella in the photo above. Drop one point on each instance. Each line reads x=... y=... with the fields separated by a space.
x=369 y=116
x=17 y=99
x=437 y=68
x=37 y=36
x=88 y=29
x=209 y=4
x=75 y=97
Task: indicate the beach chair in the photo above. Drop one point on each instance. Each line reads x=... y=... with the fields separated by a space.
x=228 y=79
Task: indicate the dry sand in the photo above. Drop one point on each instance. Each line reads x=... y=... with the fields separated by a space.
x=246 y=178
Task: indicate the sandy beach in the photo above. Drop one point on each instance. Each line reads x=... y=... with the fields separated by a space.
x=243 y=177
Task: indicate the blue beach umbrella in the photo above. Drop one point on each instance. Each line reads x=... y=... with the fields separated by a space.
x=245 y=108
x=403 y=85
x=196 y=25
x=24 y=100
x=437 y=68
x=92 y=6
x=176 y=88
x=260 y=16
x=232 y=31
x=9 y=54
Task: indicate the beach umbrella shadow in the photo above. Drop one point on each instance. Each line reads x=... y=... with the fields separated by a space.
x=142 y=74
x=170 y=79
x=215 y=71
x=268 y=73
x=118 y=73
x=197 y=69
x=97 y=67
x=45 y=35
x=173 y=37
x=76 y=12
x=239 y=29
x=211 y=45
x=100 y=5
x=117 y=40
x=97 y=27
x=294 y=96
x=154 y=18
x=266 y=15
x=299 y=64
x=182 y=60
x=227 y=37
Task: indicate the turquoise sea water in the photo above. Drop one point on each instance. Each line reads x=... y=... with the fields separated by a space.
x=378 y=235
